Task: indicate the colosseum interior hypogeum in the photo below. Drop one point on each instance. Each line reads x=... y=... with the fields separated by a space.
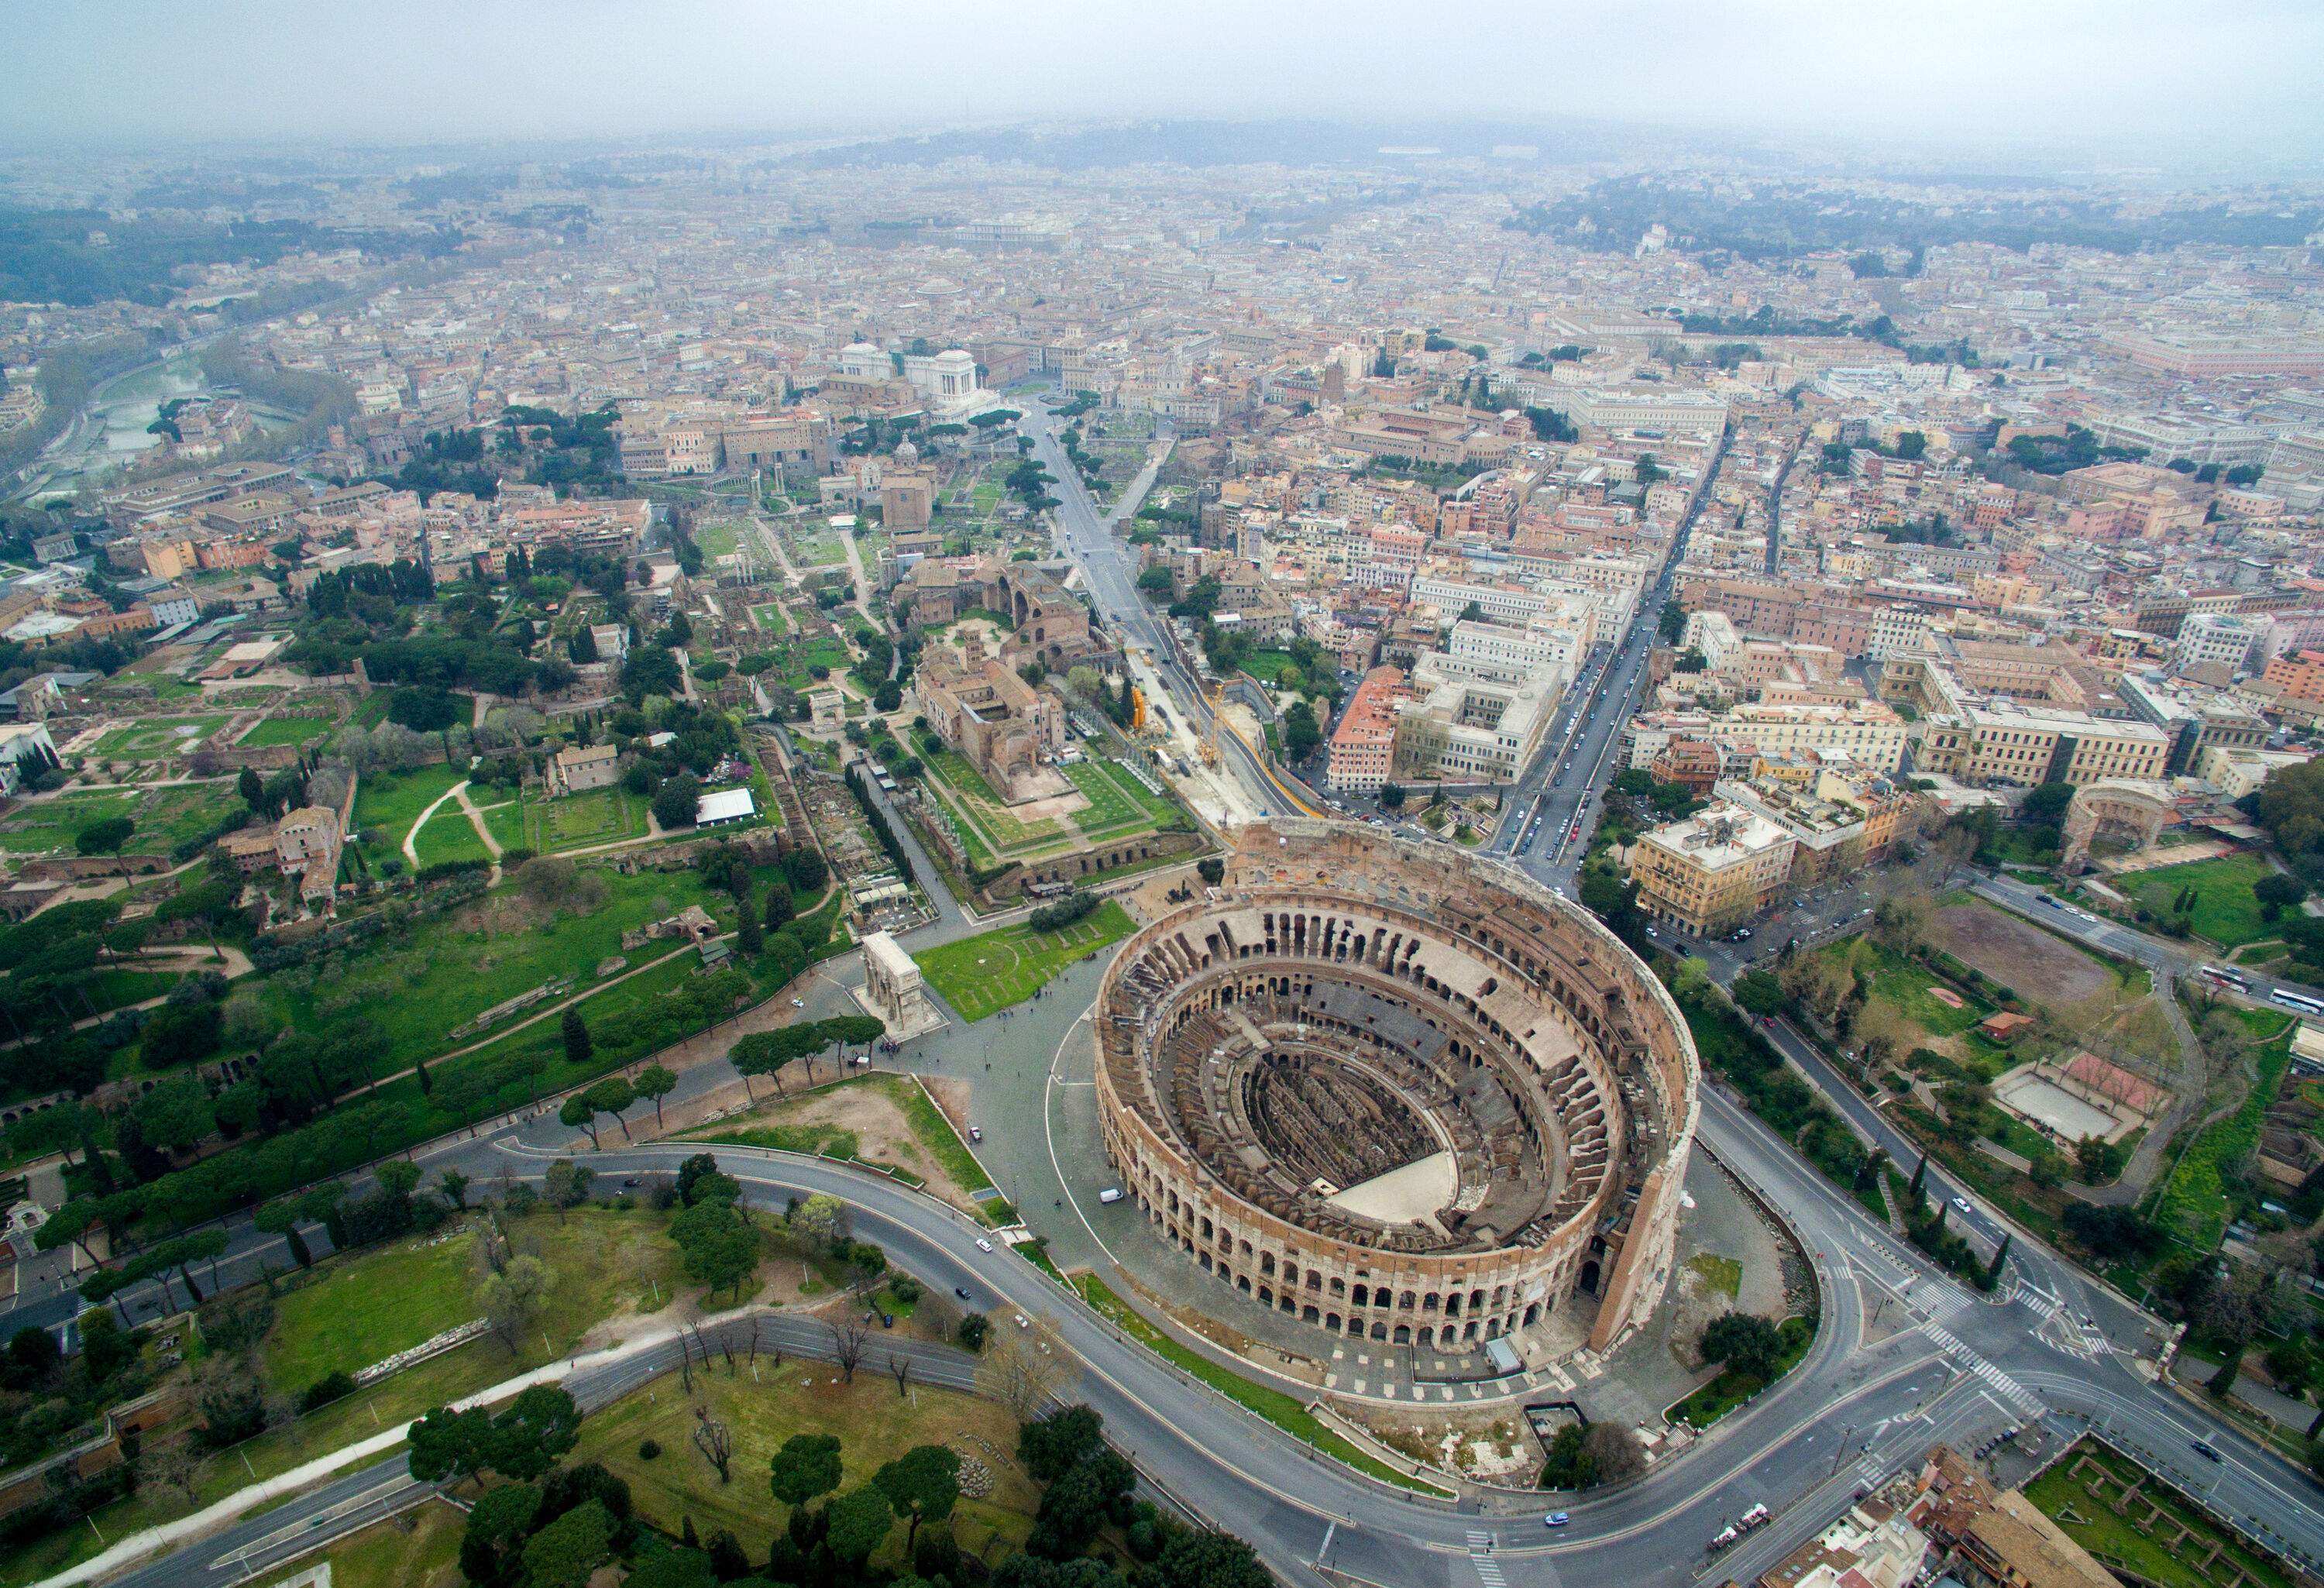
x=1399 y=1091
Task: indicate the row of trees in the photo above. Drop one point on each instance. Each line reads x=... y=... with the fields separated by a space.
x=766 y=1052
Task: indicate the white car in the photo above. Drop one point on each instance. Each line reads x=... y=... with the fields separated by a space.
x=1559 y=892
x=1961 y=1205
x=982 y=1245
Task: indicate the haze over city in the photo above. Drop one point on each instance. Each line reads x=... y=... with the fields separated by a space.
x=1172 y=796
x=2144 y=81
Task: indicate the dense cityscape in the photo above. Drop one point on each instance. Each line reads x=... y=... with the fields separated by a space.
x=1451 y=849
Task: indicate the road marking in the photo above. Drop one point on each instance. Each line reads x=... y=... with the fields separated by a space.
x=2018 y=1397
x=1481 y=1556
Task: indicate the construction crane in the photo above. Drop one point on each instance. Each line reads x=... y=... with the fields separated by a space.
x=1214 y=696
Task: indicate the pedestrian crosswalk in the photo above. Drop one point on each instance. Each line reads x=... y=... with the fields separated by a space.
x=2011 y=1393
x=2059 y=1326
x=1481 y=1555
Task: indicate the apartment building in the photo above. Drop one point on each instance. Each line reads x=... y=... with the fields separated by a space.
x=1714 y=872
x=2299 y=676
x=1499 y=651
x=1464 y=730
x=2013 y=743
x=1508 y=603
x=1845 y=820
x=1871 y=733
x=2225 y=638
x=1363 y=741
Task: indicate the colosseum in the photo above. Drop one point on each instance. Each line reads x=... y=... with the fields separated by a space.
x=1400 y=1093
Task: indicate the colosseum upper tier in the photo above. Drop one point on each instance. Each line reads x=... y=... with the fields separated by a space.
x=1399 y=1091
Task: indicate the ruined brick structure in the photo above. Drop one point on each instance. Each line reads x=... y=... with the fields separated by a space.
x=1400 y=1091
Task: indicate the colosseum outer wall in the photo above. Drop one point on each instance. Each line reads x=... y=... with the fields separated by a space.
x=1603 y=1046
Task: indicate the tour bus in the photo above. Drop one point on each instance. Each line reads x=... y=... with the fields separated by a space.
x=2298 y=1001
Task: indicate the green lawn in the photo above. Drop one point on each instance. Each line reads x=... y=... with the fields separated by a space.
x=575 y=821
x=286 y=730
x=504 y=817
x=1269 y=665
x=718 y=538
x=2193 y=1205
x=164 y=816
x=765 y=1402
x=411 y=992
x=600 y=1260
x=1905 y=986
x=391 y=801
x=1119 y=805
x=368 y=1309
x=2114 y=1539
x=820 y=548
x=795 y=659
x=419 y=1550
x=448 y=835
x=982 y=974
x=115 y=989
x=978 y=808
x=154 y=738
x=2225 y=910
x=770 y=618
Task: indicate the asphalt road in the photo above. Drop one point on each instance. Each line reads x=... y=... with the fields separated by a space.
x=1546 y=820
x=1942 y=1365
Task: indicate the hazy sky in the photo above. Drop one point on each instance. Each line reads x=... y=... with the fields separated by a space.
x=2128 y=76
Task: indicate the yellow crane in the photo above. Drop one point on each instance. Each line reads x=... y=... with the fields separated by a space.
x=1215 y=694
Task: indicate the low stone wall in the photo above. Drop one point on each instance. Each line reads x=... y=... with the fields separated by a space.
x=448 y=1340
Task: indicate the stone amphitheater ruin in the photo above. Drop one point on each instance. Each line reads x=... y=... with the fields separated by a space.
x=1399 y=1091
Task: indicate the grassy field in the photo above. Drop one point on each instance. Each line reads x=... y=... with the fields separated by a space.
x=797 y=657
x=983 y=975
x=391 y=802
x=2193 y=1205
x=2225 y=910
x=576 y=821
x=448 y=834
x=366 y=1310
x=419 y=1550
x=411 y=992
x=286 y=730
x=601 y=1261
x=637 y=993
x=1283 y=1410
x=2093 y=1525
x=1119 y=805
x=1906 y=986
x=154 y=738
x=718 y=538
x=977 y=808
x=819 y=548
x=504 y=817
x=764 y=1404
x=770 y=618
x=164 y=816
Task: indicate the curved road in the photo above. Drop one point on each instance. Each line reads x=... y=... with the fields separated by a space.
x=1903 y=1359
